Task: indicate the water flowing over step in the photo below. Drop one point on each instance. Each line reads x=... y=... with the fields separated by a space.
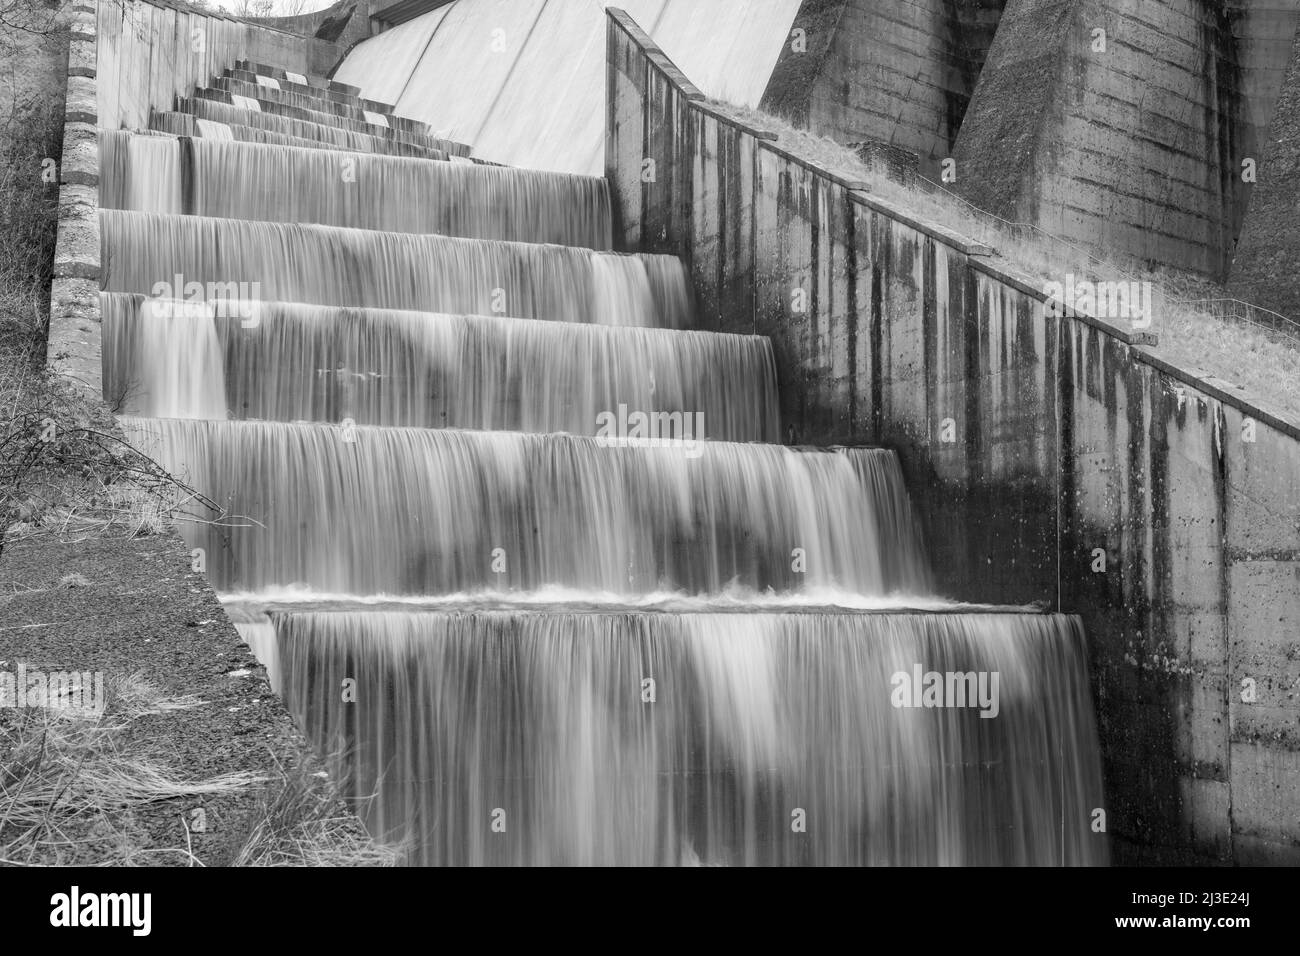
x=221 y=107
x=751 y=720
x=324 y=90
x=291 y=362
x=423 y=511
x=235 y=180
x=333 y=102
x=281 y=76
x=328 y=265
x=373 y=125
x=278 y=131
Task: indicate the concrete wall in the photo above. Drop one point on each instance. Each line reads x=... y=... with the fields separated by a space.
x=1069 y=443
x=125 y=59
x=150 y=53
x=899 y=72
x=1135 y=148
x=1263 y=267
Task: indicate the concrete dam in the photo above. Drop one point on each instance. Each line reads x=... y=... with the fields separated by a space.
x=605 y=478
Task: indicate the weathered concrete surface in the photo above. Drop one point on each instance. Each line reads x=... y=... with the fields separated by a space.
x=1052 y=459
x=1124 y=123
x=1264 y=266
x=73 y=340
x=899 y=72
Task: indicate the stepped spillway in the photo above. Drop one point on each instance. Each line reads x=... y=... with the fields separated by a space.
x=331 y=265
x=522 y=545
x=292 y=362
x=755 y=715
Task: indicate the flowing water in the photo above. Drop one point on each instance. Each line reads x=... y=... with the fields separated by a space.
x=524 y=551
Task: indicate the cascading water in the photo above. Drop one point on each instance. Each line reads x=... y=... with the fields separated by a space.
x=328 y=265
x=690 y=516
x=288 y=362
x=525 y=548
x=754 y=716
x=244 y=181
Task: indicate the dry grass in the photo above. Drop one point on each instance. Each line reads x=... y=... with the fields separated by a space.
x=1195 y=333
x=66 y=472
x=302 y=823
x=74 y=786
x=71 y=789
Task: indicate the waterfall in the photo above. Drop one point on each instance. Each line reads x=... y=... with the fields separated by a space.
x=166 y=361
x=292 y=362
x=519 y=546
x=247 y=181
x=436 y=511
x=752 y=721
x=328 y=265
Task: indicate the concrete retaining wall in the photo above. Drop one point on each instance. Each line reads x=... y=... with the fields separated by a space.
x=1037 y=449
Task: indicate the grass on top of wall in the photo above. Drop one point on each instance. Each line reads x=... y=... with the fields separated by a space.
x=1203 y=338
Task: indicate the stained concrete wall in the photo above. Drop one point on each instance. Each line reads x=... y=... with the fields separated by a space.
x=1070 y=444
x=899 y=72
x=1136 y=148
x=1264 y=264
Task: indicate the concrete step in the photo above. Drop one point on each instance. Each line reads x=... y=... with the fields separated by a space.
x=323 y=96
x=336 y=104
x=187 y=124
x=276 y=117
x=307 y=79
x=319 y=105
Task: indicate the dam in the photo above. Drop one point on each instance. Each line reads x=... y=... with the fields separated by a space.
x=560 y=532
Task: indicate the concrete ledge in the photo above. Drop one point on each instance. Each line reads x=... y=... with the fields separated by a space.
x=76 y=252
x=656 y=55
x=956 y=240
x=82 y=56
x=74 y=345
x=853 y=185
x=755 y=131
x=80 y=164
x=82 y=104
